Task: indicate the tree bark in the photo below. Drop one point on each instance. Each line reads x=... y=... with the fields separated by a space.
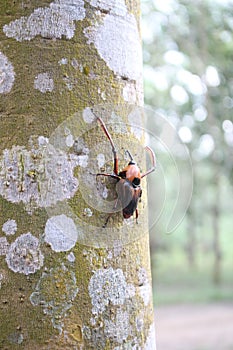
x=66 y=282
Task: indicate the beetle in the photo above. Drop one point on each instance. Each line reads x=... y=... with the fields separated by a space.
x=128 y=179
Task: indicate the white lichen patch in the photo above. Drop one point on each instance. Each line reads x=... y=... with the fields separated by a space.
x=1 y=279
x=100 y=160
x=61 y=233
x=117 y=124
x=87 y=212
x=108 y=286
x=145 y=288
x=130 y=93
x=7 y=74
x=88 y=116
x=63 y=61
x=135 y=120
x=4 y=246
x=146 y=293
x=117 y=248
x=9 y=227
x=81 y=160
x=151 y=341
x=69 y=140
x=70 y=82
x=118 y=44
x=43 y=83
x=116 y=251
x=117 y=7
x=120 y=328
x=80 y=147
x=42 y=141
x=55 y=292
x=24 y=255
x=54 y=21
x=39 y=177
x=142 y=276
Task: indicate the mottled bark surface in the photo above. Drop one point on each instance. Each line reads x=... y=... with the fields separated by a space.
x=65 y=282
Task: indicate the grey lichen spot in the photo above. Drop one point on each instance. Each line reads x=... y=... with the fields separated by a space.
x=7 y=74
x=24 y=255
x=9 y=227
x=88 y=116
x=55 y=292
x=151 y=342
x=54 y=21
x=139 y=324
x=71 y=257
x=61 y=233
x=76 y=65
x=117 y=7
x=43 y=83
x=108 y=286
x=120 y=328
x=39 y=177
x=69 y=140
x=16 y=338
x=4 y=246
x=100 y=160
x=102 y=190
x=118 y=44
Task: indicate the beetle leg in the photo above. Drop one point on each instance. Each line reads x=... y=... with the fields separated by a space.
x=103 y=126
x=110 y=175
x=106 y=222
x=136 y=215
x=153 y=162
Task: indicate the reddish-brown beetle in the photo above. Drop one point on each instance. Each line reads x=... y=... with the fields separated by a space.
x=128 y=179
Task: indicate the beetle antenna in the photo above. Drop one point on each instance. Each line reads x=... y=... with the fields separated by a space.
x=129 y=154
x=153 y=162
x=103 y=126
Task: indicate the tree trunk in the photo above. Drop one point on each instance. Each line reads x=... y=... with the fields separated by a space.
x=65 y=281
x=216 y=231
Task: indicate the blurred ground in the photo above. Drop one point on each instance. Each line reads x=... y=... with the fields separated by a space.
x=194 y=327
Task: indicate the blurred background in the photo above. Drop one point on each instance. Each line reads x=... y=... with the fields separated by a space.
x=188 y=78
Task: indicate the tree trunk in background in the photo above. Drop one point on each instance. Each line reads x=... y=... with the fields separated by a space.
x=65 y=282
x=216 y=232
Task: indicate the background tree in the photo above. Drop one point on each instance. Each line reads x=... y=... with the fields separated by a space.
x=65 y=281
x=188 y=77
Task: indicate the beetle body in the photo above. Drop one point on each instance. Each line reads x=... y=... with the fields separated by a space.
x=128 y=179
x=129 y=196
